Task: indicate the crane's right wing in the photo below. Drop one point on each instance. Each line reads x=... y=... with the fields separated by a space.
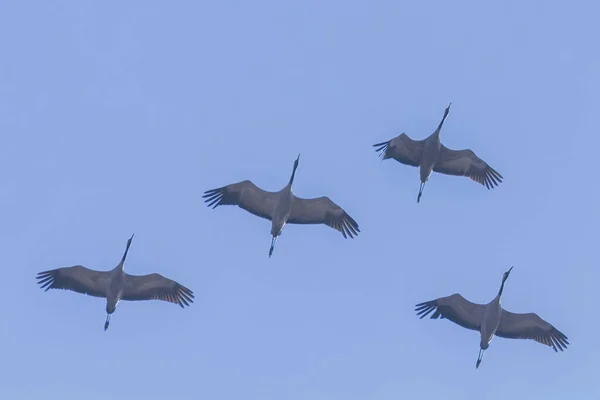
x=466 y=163
x=455 y=308
x=77 y=278
x=244 y=194
x=156 y=287
x=530 y=326
x=322 y=210
x=402 y=149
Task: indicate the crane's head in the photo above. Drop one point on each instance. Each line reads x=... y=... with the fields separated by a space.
x=506 y=274
x=296 y=162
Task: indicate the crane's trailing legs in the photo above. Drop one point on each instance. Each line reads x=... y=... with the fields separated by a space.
x=420 y=191
x=273 y=241
x=107 y=321
x=479 y=358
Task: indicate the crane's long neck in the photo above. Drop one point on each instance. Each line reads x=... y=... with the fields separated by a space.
x=293 y=172
x=121 y=265
x=439 y=128
x=504 y=278
x=501 y=289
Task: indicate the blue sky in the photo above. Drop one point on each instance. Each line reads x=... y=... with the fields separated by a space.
x=115 y=117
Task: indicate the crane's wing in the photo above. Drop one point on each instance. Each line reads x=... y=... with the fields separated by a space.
x=466 y=163
x=244 y=194
x=156 y=287
x=77 y=278
x=322 y=211
x=402 y=149
x=455 y=308
x=530 y=326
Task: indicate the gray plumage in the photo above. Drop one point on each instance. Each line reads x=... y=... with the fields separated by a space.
x=430 y=155
x=283 y=207
x=116 y=285
x=492 y=320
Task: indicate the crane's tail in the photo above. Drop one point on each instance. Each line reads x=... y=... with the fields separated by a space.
x=420 y=191
x=481 y=352
x=273 y=241
x=107 y=322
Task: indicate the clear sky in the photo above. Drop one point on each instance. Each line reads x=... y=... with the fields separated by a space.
x=116 y=116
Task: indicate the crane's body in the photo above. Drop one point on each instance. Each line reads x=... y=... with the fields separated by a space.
x=116 y=281
x=492 y=320
x=492 y=313
x=283 y=207
x=116 y=285
x=431 y=155
x=282 y=211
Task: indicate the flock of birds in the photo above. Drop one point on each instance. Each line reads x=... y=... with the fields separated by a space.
x=283 y=207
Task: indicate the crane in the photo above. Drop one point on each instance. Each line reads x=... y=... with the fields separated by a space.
x=492 y=320
x=283 y=207
x=115 y=285
x=430 y=155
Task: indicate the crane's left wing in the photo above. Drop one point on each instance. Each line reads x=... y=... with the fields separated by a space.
x=455 y=308
x=466 y=163
x=156 y=287
x=244 y=194
x=76 y=278
x=530 y=326
x=402 y=149
x=322 y=211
